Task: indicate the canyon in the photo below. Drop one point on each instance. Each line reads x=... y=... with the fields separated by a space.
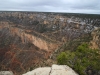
x=21 y=57
x=29 y=39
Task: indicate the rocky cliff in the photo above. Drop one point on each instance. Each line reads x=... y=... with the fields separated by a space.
x=36 y=40
x=28 y=36
x=21 y=50
x=54 y=70
x=95 y=42
x=29 y=39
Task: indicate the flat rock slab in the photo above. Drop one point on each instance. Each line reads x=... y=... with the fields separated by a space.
x=6 y=73
x=39 y=71
x=62 y=70
x=54 y=70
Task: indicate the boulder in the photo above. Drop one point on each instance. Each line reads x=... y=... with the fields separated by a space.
x=54 y=70
x=6 y=73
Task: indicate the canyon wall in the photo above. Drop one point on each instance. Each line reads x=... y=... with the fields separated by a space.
x=95 y=42
x=27 y=37
x=17 y=59
x=28 y=40
x=30 y=37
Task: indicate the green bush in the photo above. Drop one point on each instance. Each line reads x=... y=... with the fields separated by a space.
x=62 y=58
x=82 y=58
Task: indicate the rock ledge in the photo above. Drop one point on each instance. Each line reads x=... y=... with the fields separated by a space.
x=54 y=70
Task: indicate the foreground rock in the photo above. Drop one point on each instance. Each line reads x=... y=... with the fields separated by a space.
x=54 y=70
x=6 y=73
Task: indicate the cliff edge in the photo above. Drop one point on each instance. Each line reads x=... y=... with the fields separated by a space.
x=54 y=70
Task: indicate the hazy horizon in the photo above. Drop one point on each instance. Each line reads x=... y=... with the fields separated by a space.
x=61 y=6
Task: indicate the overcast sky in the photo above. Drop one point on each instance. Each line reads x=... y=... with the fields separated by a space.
x=72 y=6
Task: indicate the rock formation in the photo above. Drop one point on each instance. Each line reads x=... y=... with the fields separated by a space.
x=95 y=42
x=54 y=70
x=28 y=39
x=6 y=73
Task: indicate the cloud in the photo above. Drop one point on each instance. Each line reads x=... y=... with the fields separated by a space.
x=73 y=6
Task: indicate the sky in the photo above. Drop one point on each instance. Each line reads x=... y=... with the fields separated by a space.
x=66 y=6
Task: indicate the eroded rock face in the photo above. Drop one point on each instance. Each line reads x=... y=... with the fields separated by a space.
x=54 y=70
x=20 y=51
x=44 y=31
x=95 y=43
x=30 y=37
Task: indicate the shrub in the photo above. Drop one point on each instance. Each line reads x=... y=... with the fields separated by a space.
x=61 y=59
x=81 y=59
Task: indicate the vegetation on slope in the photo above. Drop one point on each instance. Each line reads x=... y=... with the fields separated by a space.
x=83 y=60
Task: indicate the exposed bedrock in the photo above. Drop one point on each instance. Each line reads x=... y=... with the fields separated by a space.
x=22 y=50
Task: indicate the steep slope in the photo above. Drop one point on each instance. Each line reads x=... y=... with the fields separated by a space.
x=21 y=51
x=32 y=39
x=95 y=42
